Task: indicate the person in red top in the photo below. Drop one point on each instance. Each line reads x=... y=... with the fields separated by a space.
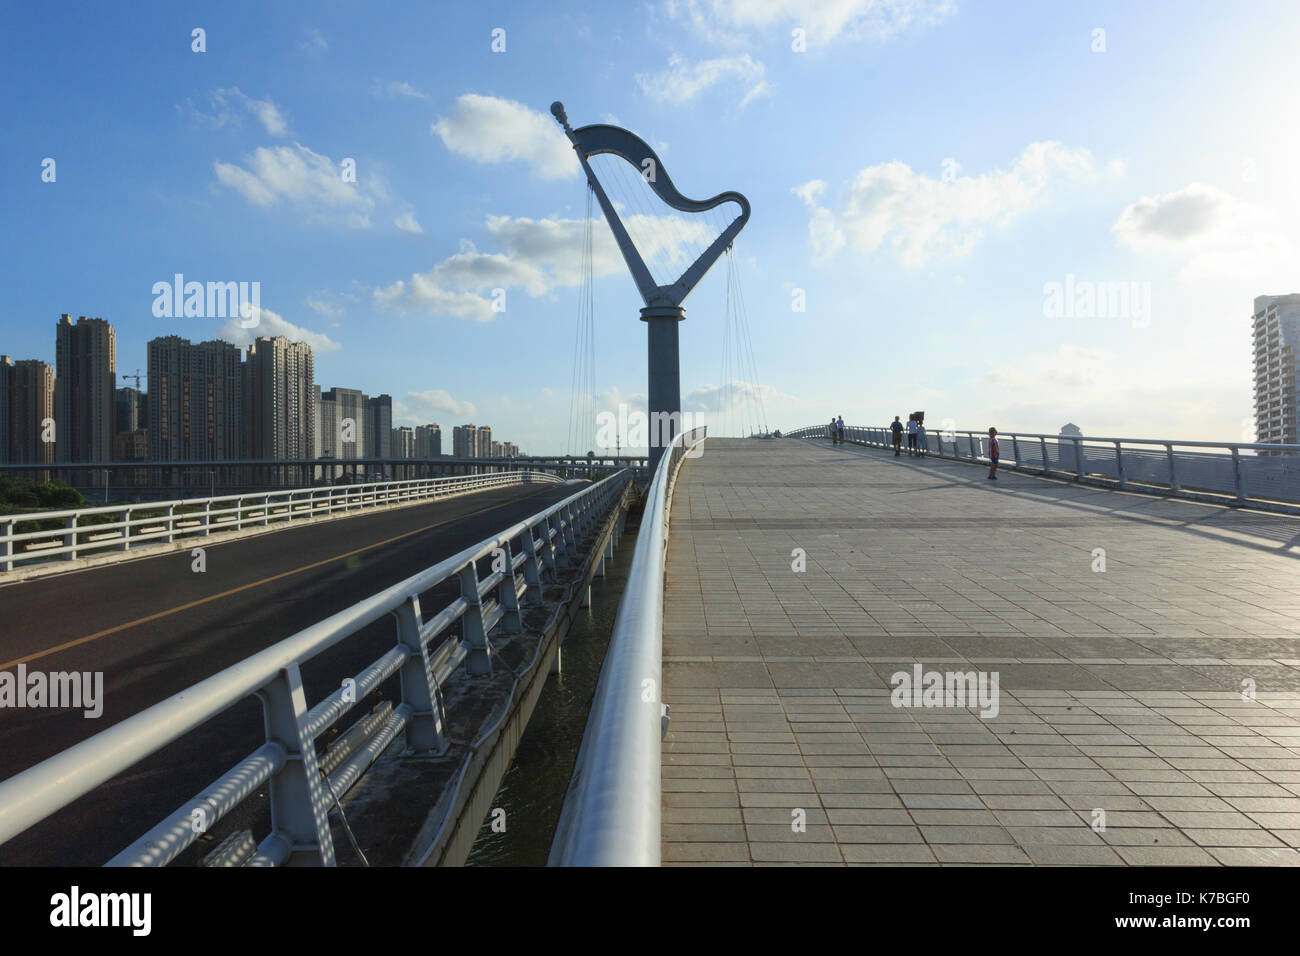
x=993 y=453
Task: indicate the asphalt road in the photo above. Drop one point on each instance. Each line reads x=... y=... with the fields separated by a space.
x=154 y=626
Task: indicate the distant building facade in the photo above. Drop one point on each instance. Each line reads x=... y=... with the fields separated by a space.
x=343 y=424
x=403 y=442
x=428 y=441
x=84 y=386
x=464 y=441
x=379 y=427
x=196 y=401
x=1276 y=334
x=279 y=411
x=26 y=408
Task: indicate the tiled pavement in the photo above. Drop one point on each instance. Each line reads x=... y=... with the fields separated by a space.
x=1124 y=693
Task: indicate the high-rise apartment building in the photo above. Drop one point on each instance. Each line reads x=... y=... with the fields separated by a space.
x=26 y=412
x=196 y=401
x=344 y=424
x=84 y=386
x=1276 y=334
x=464 y=441
x=483 y=442
x=403 y=439
x=379 y=427
x=428 y=441
x=319 y=413
x=279 y=413
x=126 y=409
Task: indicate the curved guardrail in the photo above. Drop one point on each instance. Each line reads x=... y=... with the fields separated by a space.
x=157 y=522
x=301 y=787
x=1267 y=476
x=611 y=811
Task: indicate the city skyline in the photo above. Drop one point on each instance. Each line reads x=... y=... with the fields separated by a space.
x=377 y=209
x=211 y=401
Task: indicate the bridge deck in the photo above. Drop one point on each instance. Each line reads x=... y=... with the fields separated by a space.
x=1120 y=691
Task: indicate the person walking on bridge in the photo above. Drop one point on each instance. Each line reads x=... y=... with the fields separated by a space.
x=839 y=425
x=912 y=450
x=994 y=454
x=897 y=429
x=835 y=432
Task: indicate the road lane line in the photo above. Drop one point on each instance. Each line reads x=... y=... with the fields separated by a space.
x=244 y=587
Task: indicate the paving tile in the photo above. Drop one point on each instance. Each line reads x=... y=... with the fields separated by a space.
x=1117 y=692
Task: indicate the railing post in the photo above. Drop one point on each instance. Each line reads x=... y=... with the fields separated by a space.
x=299 y=805
x=548 y=545
x=266 y=509
x=207 y=517
x=420 y=692
x=1173 y=477
x=479 y=662
x=171 y=523
x=7 y=544
x=570 y=537
x=532 y=574
x=1015 y=451
x=1119 y=465
x=1047 y=465
x=126 y=529
x=508 y=594
x=1237 y=485
x=1078 y=460
x=70 y=539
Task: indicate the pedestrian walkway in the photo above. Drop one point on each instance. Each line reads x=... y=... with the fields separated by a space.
x=1147 y=713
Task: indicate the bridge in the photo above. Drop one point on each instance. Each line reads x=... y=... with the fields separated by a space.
x=152 y=480
x=824 y=654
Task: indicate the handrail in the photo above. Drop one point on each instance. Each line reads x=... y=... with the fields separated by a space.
x=288 y=756
x=611 y=811
x=201 y=517
x=1269 y=479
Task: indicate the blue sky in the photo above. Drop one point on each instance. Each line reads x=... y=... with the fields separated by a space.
x=921 y=170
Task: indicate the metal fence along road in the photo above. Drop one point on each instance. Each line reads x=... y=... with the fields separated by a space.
x=85 y=531
x=1265 y=476
x=302 y=785
x=611 y=814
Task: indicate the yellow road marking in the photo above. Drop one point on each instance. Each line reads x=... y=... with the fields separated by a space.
x=244 y=587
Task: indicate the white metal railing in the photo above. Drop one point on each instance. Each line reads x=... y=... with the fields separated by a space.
x=301 y=790
x=1263 y=475
x=78 y=532
x=611 y=811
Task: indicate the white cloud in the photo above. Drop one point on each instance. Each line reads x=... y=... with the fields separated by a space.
x=230 y=104
x=920 y=217
x=407 y=223
x=301 y=178
x=271 y=324
x=1173 y=218
x=424 y=407
x=487 y=129
x=1217 y=235
x=682 y=81
x=736 y=394
x=394 y=89
x=314 y=42
x=823 y=21
x=323 y=308
x=540 y=255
